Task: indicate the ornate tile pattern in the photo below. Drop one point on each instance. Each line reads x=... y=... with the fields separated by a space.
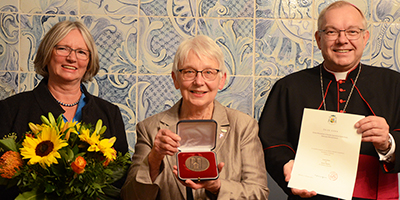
x=282 y=46
x=8 y=84
x=212 y=8
x=262 y=41
x=235 y=38
x=123 y=8
x=64 y=7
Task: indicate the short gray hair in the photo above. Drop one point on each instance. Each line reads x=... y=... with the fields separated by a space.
x=339 y=4
x=201 y=45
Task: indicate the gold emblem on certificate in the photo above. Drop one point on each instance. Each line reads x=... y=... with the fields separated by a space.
x=197 y=163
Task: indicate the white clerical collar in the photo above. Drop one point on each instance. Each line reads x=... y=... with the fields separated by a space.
x=338 y=75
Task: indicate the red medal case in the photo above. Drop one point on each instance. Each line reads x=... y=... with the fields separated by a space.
x=195 y=159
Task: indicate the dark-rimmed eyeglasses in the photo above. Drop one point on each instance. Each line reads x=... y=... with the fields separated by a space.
x=207 y=74
x=81 y=54
x=351 y=33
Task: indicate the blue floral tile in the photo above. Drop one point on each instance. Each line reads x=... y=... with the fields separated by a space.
x=8 y=84
x=317 y=58
x=235 y=40
x=9 y=42
x=156 y=7
x=181 y=9
x=363 y=5
x=117 y=89
x=116 y=42
x=33 y=29
x=131 y=138
x=285 y=9
x=384 y=52
x=283 y=46
x=265 y=9
x=9 y=6
x=120 y=8
x=158 y=41
x=156 y=93
x=294 y=9
x=386 y=11
x=28 y=81
x=64 y=7
x=237 y=94
x=221 y=8
x=366 y=57
x=262 y=88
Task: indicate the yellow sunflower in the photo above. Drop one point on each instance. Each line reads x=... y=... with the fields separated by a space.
x=44 y=148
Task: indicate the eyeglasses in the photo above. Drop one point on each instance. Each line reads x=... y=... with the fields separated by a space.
x=190 y=74
x=81 y=54
x=351 y=33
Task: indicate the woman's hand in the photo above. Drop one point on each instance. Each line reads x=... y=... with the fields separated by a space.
x=212 y=185
x=165 y=143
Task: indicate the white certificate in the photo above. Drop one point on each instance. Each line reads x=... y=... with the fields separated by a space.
x=327 y=155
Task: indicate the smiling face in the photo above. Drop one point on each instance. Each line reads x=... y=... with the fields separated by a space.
x=198 y=94
x=342 y=54
x=68 y=68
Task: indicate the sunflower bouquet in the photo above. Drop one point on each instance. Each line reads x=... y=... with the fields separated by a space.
x=62 y=160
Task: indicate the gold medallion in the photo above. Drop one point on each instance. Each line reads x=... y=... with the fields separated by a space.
x=197 y=163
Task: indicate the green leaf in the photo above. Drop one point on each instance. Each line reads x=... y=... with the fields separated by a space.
x=8 y=144
x=112 y=191
x=49 y=188
x=67 y=154
x=31 y=195
x=70 y=154
x=34 y=176
x=59 y=120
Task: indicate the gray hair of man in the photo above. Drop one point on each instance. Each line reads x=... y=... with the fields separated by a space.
x=339 y=4
x=54 y=36
x=202 y=46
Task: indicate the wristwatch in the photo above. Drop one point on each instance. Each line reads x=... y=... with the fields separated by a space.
x=384 y=152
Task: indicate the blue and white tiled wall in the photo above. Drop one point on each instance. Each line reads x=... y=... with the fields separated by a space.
x=262 y=40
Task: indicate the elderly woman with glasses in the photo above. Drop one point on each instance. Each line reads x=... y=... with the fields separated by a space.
x=198 y=72
x=66 y=57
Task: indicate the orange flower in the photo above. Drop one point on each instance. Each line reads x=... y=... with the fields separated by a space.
x=79 y=165
x=10 y=162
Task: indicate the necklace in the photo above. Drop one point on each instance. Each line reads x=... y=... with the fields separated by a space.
x=66 y=104
x=351 y=91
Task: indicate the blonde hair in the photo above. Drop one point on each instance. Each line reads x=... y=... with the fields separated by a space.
x=339 y=4
x=200 y=45
x=54 y=36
